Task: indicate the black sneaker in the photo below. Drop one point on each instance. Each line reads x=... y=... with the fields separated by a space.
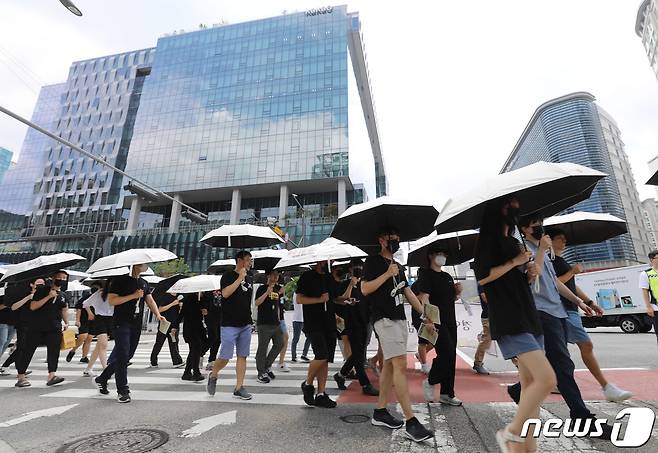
x=381 y=417
x=293 y=360
x=263 y=378
x=129 y=363
x=102 y=387
x=309 y=393
x=323 y=400
x=198 y=377
x=305 y=359
x=54 y=381
x=124 y=398
x=605 y=427
x=84 y=360
x=514 y=391
x=340 y=380
x=417 y=432
x=369 y=390
x=187 y=377
x=270 y=374
x=70 y=355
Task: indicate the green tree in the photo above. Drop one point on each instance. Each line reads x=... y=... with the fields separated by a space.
x=290 y=289
x=173 y=267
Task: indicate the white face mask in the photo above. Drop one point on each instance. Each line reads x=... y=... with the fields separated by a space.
x=440 y=260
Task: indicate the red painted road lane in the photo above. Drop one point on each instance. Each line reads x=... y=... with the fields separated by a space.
x=473 y=388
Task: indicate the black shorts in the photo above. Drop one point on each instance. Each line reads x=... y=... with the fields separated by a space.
x=323 y=343
x=84 y=327
x=101 y=325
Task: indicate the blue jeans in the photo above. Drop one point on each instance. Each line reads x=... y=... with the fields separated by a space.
x=126 y=339
x=297 y=327
x=557 y=353
x=6 y=335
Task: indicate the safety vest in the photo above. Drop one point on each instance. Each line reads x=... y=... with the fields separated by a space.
x=653 y=284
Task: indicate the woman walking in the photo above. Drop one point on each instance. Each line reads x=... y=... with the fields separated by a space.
x=503 y=270
x=100 y=314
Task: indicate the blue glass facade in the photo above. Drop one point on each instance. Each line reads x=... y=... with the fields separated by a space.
x=569 y=129
x=270 y=108
x=5 y=161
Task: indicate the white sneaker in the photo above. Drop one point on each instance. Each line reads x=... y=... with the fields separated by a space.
x=284 y=368
x=615 y=394
x=425 y=368
x=4 y=372
x=428 y=391
x=450 y=400
x=88 y=373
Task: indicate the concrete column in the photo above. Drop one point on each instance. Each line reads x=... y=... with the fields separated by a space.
x=283 y=204
x=135 y=211
x=236 y=202
x=174 y=220
x=342 y=196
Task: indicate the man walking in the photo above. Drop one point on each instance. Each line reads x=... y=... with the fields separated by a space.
x=169 y=306
x=127 y=294
x=649 y=286
x=236 y=324
x=383 y=285
x=267 y=301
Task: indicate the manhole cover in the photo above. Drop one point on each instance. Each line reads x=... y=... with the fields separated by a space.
x=355 y=418
x=124 y=441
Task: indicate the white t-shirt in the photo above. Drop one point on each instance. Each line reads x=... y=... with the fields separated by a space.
x=298 y=315
x=100 y=305
x=644 y=284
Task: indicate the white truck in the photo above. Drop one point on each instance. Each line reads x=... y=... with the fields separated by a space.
x=617 y=291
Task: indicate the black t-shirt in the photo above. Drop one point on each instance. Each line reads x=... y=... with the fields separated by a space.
x=511 y=305
x=381 y=303
x=7 y=316
x=190 y=314
x=212 y=303
x=483 y=304
x=312 y=284
x=133 y=310
x=268 y=311
x=14 y=293
x=49 y=315
x=236 y=310
x=441 y=289
x=172 y=314
x=84 y=316
x=562 y=267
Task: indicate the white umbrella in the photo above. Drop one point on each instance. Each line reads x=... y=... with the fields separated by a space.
x=75 y=285
x=41 y=266
x=242 y=237
x=131 y=257
x=544 y=188
x=117 y=272
x=221 y=266
x=197 y=284
x=325 y=251
x=459 y=246
x=152 y=279
x=586 y=227
x=265 y=260
x=77 y=275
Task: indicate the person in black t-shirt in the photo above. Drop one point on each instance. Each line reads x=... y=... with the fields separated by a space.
x=49 y=310
x=82 y=323
x=212 y=316
x=269 y=326
x=169 y=306
x=485 y=338
x=17 y=297
x=437 y=287
x=7 y=328
x=127 y=294
x=576 y=333
x=383 y=285
x=194 y=335
x=236 y=324
x=314 y=294
x=505 y=272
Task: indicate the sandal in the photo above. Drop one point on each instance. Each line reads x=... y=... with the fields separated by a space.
x=503 y=436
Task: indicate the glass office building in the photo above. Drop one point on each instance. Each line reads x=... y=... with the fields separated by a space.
x=646 y=27
x=268 y=121
x=573 y=128
x=5 y=161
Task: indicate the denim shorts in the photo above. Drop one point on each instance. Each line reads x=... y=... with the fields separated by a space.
x=284 y=327
x=514 y=345
x=575 y=331
x=235 y=338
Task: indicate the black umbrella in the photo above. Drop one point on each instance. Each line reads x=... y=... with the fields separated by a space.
x=360 y=224
x=460 y=247
x=164 y=285
x=653 y=181
x=586 y=227
x=42 y=266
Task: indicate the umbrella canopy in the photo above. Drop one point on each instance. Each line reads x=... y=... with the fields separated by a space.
x=197 y=284
x=117 y=272
x=77 y=275
x=544 y=188
x=242 y=237
x=131 y=257
x=459 y=246
x=264 y=260
x=41 y=266
x=75 y=285
x=586 y=227
x=221 y=266
x=653 y=181
x=152 y=279
x=360 y=224
x=325 y=251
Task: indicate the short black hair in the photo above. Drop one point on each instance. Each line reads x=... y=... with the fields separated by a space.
x=554 y=232
x=388 y=231
x=653 y=254
x=242 y=254
x=269 y=271
x=525 y=221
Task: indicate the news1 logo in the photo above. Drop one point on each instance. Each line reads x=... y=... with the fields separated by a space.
x=638 y=427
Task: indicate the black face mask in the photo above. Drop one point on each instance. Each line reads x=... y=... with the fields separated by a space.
x=512 y=216
x=393 y=245
x=61 y=284
x=357 y=272
x=537 y=232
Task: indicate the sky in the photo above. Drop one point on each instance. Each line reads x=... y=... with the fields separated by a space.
x=454 y=82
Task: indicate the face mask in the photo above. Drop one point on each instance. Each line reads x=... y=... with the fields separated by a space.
x=357 y=272
x=393 y=245
x=537 y=232
x=62 y=284
x=440 y=260
x=512 y=217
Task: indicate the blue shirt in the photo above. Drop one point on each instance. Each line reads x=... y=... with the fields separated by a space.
x=548 y=298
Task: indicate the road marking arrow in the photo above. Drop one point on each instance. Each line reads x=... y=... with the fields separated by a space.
x=37 y=414
x=208 y=423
